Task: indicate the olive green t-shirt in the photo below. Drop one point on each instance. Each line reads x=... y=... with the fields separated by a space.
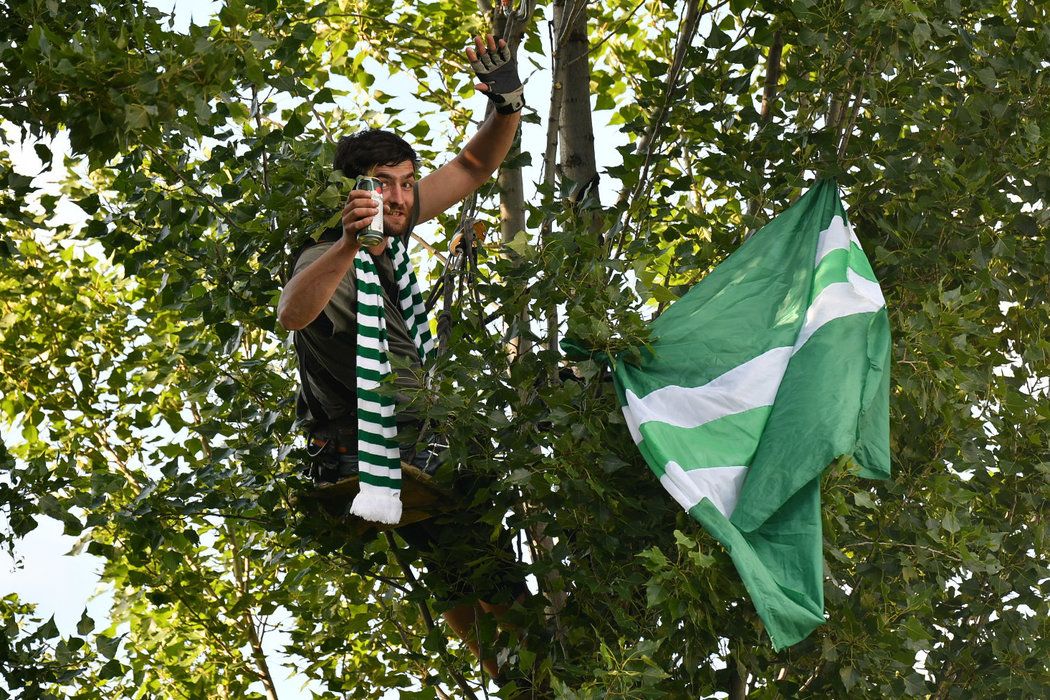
x=329 y=343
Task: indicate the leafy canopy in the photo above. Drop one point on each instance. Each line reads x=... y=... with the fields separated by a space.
x=146 y=389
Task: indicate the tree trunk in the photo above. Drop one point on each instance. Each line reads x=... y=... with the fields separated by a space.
x=737 y=681
x=511 y=183
x=570 y=124
x=512 y=192
x=576 y=132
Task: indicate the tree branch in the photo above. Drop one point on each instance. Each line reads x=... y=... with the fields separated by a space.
x=769 y=93
x=550 y=156
x=248 y=623
x=847 y=129
x=648 y=142
x=430 y=249
x=428 y=619
x=224 y=215
x=772 y=75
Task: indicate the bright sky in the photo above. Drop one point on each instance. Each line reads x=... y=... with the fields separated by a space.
x=42 y=572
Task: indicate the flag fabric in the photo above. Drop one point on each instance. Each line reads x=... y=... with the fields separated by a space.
x=379 y=457
x=768 y=370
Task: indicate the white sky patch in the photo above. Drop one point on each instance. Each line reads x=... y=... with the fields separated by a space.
x=64 y=586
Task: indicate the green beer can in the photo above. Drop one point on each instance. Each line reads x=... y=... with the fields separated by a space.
x=373 y=235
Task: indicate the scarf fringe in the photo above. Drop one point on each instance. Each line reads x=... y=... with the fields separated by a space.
x=378 y=505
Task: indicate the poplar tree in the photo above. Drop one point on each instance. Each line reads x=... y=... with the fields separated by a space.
x=145 y=388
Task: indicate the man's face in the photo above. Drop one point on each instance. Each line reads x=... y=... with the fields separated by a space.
x=398 y=198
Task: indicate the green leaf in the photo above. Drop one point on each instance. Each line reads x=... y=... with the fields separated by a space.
x=295 y=126
x=136 y=117
x=1026 y=225
x=987 y=76
x=424 y=694
x=107 y=646
x=86 y=624
x=849 y=677
x=43 y=153
x=37 y=41
x=520 y=244
x=864 y=500
x=920 y=35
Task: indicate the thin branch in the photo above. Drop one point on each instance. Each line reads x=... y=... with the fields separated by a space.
x=772 y=75
x=550 y=156
x=424 y=673
x=426 y=37
x=615 y=30
x=940 y=553
x=648 y=142
x=254 y=641
x=433 y=251
x=847 y=131
x=224 y=215
x=207 y=624
x=769 y=93
x=320 y=121
x=424 y=610
x=257 y=108
x=385 y=580
x=524 y=14
x=569 y=16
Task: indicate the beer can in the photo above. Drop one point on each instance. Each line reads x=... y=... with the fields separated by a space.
x=373 y=234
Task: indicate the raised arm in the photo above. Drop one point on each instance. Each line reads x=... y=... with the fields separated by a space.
x=498 y=75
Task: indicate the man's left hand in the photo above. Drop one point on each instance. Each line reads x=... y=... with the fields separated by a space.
x=497 y=70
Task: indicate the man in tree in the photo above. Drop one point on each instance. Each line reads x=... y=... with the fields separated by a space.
x=320 y=303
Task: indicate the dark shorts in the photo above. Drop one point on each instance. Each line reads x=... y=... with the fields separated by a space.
x=464 y=557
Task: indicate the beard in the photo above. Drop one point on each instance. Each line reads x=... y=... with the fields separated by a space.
x=395 y=226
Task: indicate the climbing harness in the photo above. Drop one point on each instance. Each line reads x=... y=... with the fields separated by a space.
x=329 y=461
x=457 y=280
x=514 y=16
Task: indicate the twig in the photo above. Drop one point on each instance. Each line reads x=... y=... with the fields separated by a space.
x=320 y=121
x=615 y=30
x=685 y=37
x=550 y=156
x=196 y=190
x=424 y=610
x=424 y=673
x=848 y=128
x=262 y=667
x=769 y=93
x=433 y=251
x=772 y=75
x=569 y=17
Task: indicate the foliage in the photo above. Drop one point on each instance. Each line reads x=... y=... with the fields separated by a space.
x=146 y=389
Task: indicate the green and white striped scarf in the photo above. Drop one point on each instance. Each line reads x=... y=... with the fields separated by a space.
x=377 y=446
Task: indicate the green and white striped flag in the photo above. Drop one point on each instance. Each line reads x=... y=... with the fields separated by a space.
x=769 y=369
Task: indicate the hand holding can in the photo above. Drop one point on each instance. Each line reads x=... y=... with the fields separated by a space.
x=362 y=215
x=373 y=233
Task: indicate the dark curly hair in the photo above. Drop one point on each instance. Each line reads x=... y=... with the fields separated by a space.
x=357 y=154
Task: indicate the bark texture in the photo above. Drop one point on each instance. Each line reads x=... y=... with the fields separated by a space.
x=576 y=131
